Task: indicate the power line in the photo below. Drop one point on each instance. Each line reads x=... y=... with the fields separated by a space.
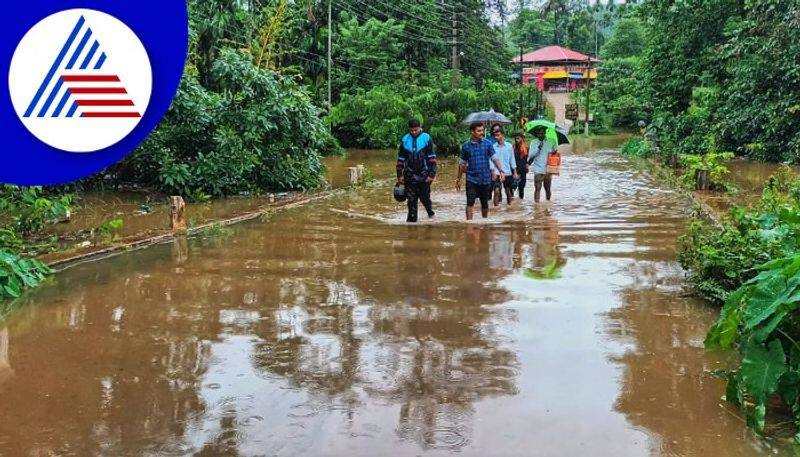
x=407 y=35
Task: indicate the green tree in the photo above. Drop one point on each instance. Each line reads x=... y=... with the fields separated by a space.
x=626 y=41
x=370 y=54
x=530 y=29
x=760 y=102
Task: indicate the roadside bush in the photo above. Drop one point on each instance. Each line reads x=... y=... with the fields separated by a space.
x=29 y=209
x=637 y=147
x=762 y=319
x=254 y=131
x=18 y=274
x=720 y=259
x=712 y=162
x=752 y=265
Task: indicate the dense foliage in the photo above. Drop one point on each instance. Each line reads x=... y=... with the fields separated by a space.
x=752 y=264
x=377 y=118
x=255 y=131
x=234 y=126
x=725 y=69
x=761 y=318
x=23 y=213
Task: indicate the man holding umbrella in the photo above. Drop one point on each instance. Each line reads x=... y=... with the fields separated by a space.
x=540 y=149
x=476 y=155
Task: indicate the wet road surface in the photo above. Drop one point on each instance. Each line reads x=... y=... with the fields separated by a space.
x=560 y=329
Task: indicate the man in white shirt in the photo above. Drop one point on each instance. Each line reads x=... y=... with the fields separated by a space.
x=505 y=154
x=540 y=148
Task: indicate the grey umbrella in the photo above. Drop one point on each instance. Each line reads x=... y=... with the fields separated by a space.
x=486 y=117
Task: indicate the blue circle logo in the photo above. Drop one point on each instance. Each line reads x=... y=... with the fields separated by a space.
x=86 y=84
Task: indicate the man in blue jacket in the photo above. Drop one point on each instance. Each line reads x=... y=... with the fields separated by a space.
x=416 y=168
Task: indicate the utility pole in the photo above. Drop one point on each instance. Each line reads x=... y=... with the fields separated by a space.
x=588 y=93
x=596 y=40
x=330 y=56
x=521 y=83
x=454 y=58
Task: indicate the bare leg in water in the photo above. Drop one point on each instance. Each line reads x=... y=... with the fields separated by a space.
x=547 y=182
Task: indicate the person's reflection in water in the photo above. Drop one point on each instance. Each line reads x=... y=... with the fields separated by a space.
x=545 y=238
x=419 y=269
x=439 y=338
x=501 y=250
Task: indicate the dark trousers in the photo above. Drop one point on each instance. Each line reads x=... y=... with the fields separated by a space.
x=418 y=191
x=523 y=180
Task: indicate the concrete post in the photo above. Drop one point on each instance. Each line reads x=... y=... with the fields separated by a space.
x=352 y=174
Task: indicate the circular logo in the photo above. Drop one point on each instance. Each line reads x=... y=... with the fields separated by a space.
x=88 y=80
x=80 y=80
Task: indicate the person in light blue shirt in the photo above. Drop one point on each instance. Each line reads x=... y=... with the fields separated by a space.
x=540 y=148
x=508 y=165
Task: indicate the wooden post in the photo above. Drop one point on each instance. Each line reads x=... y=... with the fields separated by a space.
x=361 y=171
x=178 y=215
x=673 y=161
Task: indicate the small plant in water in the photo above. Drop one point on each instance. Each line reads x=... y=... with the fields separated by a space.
x=108 y=231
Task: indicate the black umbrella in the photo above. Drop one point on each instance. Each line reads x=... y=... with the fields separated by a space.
x=486 y=117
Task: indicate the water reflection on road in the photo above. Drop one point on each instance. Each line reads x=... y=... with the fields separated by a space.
x=343 y=332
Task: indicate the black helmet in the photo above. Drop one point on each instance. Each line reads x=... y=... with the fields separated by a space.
x=400 y=193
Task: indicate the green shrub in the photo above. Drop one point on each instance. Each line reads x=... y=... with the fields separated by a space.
x=254 y=131
x=108 y=230
x=761 y=318
x=637 y=147
x=18 y=274
x=713 y=162
x=721 y=259
x=30 y=209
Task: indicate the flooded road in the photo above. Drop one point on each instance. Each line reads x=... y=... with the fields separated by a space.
x=335 y=329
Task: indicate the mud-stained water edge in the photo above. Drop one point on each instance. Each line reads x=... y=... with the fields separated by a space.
x=561 y=329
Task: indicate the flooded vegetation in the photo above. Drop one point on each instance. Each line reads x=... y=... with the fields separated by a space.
x=336 y=329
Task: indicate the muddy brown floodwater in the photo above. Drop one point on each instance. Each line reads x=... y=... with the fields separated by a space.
x=336 y=330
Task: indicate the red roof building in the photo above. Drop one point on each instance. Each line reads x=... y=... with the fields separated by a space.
x=554 y=55
x=557 y=68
